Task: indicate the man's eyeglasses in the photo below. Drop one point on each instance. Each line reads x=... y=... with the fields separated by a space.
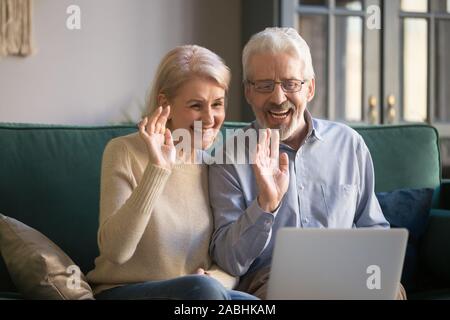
x=267 y=86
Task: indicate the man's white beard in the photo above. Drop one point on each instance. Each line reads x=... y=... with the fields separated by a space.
x=286 y=131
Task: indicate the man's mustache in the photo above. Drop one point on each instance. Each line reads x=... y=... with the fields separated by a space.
x=285 y=106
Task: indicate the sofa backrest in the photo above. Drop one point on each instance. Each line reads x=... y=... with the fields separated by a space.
x=50 y=176
x=404 y=156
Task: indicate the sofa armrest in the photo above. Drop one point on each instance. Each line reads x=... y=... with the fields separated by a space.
x=444 y=195
x=10 y=296
x=436 y=245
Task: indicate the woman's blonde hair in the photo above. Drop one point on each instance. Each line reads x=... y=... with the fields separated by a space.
x=181 y=64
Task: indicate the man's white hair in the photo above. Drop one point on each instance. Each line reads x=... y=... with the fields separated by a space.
x=278 y=40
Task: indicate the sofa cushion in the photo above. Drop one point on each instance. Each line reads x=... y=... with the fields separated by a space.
x=38 y=267
x=408 y=208
x=404 y=156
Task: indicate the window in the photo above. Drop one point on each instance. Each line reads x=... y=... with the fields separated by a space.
x=401 y=75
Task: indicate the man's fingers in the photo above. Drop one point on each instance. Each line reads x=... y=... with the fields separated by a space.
x=255 y=155
x=284 y=163
x=267 y=146
x=260 y=146
x=275 y=144
x=262 y=139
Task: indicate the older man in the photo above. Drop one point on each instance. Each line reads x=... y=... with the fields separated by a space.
x=324 y=177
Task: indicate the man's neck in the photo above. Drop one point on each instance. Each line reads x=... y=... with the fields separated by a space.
x=296 y=140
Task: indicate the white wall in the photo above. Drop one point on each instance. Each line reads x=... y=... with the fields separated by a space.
x=96 y=75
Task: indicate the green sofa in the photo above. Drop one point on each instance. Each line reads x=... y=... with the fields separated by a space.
x=50 y=179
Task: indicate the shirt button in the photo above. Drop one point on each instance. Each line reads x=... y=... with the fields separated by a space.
x=301 y=187
x=305 y=220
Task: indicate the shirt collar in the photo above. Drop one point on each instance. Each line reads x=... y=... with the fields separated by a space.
x=312 y=126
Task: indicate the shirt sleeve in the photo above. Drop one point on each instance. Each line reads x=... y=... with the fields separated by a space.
x=241 y=233
x=368 y=211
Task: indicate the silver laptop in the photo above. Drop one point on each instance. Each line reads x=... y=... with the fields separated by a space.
x=337 y=264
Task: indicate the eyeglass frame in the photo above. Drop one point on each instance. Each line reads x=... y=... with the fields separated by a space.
x=253 y=83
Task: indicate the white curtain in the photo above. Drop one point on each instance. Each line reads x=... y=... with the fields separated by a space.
x=15 y=27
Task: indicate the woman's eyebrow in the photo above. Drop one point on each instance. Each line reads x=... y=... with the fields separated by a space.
x=194 y=100
x=202 y=100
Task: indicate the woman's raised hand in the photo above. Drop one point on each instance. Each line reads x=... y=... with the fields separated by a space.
x=158 y=138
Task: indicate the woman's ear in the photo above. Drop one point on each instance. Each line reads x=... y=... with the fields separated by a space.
x=164 y=102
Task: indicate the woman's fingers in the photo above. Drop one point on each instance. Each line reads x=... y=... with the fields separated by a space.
x=200 y=271
x=151 y=127
x=142 y=125
x=168 y=138
x=157 y=121
x=160 y=126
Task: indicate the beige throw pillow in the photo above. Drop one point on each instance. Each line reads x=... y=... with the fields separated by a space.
x=37 y=266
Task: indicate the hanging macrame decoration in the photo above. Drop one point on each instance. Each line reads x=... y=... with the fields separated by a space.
x=15 y=27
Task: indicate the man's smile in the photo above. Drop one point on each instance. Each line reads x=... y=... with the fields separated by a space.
x=279 y=117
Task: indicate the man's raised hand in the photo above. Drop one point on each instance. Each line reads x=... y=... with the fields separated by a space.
x=271 y=170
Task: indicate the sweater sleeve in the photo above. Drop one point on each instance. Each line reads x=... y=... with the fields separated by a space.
x=125 y=210
x=226 y=279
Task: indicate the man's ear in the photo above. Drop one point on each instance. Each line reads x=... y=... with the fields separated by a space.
x=311 y=89
x=247 y=92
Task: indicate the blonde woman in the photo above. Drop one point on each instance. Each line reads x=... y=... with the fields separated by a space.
x=155 y=216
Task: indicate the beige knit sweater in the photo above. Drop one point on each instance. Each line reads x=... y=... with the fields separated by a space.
x=155 y=224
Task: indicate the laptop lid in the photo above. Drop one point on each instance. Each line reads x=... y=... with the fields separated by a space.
x=337 y=264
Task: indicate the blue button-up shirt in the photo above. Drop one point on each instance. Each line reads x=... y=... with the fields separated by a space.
x=331 y=186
